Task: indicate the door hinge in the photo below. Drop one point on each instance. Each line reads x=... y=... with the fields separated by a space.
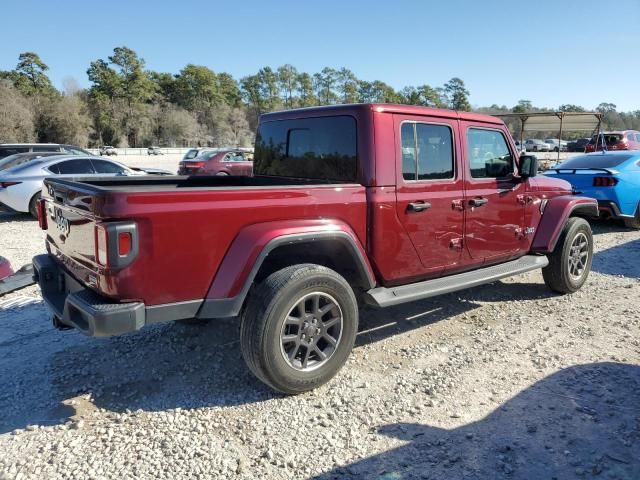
x=456 y=244
x=457 y=205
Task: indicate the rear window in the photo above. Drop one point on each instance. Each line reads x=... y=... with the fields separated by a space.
x=191 y=154
x=610 y=139
x=594 y=161
x=322 y=148
x=6 y=151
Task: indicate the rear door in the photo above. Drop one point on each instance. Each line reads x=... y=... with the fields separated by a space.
x=237 y=164
x=430 y=189
x=494 y=199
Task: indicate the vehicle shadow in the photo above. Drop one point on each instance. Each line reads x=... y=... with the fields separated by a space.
x=16 y=217
x=579 y=422
x=619 y=260
x=603 y=226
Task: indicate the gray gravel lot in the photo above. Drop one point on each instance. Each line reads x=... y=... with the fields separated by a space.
x=503 y=381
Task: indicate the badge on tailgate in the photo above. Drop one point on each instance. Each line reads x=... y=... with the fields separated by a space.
x=62 y=222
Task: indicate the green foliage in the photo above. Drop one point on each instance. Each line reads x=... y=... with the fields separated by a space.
x=457 y=94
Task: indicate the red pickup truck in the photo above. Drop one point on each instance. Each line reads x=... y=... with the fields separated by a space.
x=349 y=205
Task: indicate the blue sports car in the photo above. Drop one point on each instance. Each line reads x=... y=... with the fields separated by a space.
x=612 y=178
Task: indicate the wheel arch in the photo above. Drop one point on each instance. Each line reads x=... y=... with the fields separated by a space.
x=554 y=217
x=261 y=249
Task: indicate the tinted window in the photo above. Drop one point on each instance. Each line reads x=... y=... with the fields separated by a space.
x=595 y=161
x=47 y=148
x=322 y=148
x=74 y=150
x=103 y=166
x=72 y=167
x=488 y=154
x=431 y=146
x=6 y=151
x=608 y=138
x=637 y=137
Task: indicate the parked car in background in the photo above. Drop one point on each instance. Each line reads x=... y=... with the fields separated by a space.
x=154 y=151
x=556 y=144
x=536 y=145
x=20 y=186
x=519 y=146
x=108 y=150
x=577 y=145
x=20 y=158
x=7 y=149
x=217 y=162
x=612 y=178
x=623 y=140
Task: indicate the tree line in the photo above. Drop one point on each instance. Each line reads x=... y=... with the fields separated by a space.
x=128 y=105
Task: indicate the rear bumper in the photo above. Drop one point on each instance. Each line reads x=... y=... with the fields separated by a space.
x=77 y=306
x=612 y=209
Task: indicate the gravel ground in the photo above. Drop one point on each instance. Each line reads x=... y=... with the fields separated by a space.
x=502 y=381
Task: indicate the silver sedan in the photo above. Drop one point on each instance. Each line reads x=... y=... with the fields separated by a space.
x=20 y=186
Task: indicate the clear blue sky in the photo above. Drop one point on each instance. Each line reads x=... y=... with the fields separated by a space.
x=550 y=52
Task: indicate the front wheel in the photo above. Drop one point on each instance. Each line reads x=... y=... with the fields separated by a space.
x=570 y=261
x=299 y=327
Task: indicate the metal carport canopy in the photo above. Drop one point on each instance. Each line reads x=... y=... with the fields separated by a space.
x=558 y=121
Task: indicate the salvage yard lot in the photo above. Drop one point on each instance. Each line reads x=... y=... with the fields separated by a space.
x=506 y=380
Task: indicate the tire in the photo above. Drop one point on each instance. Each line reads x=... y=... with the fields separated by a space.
x=563 y=274
x=33 y=205
x=281 y=297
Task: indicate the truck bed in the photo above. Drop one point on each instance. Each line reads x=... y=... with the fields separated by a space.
x=185 y=226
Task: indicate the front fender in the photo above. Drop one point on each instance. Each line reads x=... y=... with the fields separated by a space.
x=554 y=217
x=252 y=245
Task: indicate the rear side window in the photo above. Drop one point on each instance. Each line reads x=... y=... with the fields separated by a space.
x=72 y=167
x=427 y=151
x=48 y=148
x=595 y=161
x=6 y=151
x=488 y=153
x=637 y=137
x=630 y=137
x=103 y=166
x=322 y=148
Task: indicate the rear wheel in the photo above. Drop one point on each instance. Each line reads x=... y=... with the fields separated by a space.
x=570 y=261
x=222 y=174
x=33 y=205
x=299 y=327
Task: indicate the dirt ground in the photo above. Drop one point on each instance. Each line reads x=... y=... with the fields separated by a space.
x=506 y=381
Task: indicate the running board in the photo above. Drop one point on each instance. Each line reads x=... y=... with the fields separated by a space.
x=386 y=297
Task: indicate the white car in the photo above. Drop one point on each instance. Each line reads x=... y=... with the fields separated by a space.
x=536 y=145
x=20 y=186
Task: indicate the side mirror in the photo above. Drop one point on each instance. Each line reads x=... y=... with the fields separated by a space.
x=528 y=166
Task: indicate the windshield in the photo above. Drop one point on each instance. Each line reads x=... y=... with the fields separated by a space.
x=24 y=166
x=594 y=161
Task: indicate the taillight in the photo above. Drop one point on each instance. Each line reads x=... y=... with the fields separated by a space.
x=8 y=184
x=116 y=244
x=604 y=181
x=195 y=164
x=124 y=244
x=102 y=245
x=42 y=214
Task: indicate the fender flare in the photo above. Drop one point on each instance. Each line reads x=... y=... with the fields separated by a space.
x=554 y=217
x=251 y=247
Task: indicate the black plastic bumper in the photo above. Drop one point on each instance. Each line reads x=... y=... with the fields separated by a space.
x=76 y=306
x=611 y=208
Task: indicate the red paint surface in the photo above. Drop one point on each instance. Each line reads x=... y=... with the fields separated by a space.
x=5 y=268
x=214 y=164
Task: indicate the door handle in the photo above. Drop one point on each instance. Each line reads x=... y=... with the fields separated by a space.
x=419 y=206
x=478 y=202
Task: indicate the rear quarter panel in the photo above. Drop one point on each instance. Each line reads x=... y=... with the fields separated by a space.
x=184 y=235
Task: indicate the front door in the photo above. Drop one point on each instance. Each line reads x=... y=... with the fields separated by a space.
x=429 y=189
x=494 y=197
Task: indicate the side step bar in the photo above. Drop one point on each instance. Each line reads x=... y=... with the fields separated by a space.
x=386 y=297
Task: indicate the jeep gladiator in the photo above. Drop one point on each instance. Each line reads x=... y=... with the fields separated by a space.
x=352 y=204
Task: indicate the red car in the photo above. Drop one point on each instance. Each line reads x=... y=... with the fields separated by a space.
x=623 y=140
x=217 y=162
x=349 y=205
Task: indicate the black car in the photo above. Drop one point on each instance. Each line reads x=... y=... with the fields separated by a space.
x=578 y=145
x=7 y=149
